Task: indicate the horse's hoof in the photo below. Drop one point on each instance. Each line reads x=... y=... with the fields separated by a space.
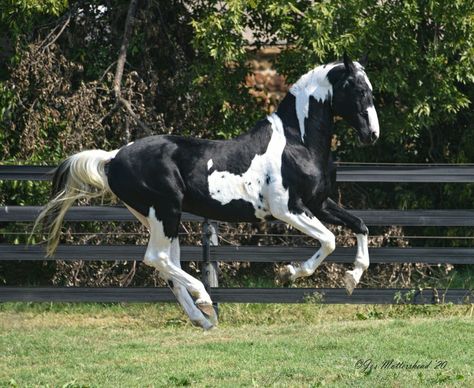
x=208 y=310
x=285 y=274
x=203 y=324
x=349 y=282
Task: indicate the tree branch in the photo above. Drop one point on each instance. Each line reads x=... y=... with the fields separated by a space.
x=121 y=64
x=65 y=24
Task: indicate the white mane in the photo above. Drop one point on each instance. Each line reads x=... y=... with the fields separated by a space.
x=315 y=83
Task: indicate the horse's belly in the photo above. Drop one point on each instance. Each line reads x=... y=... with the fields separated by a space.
x=235 y=210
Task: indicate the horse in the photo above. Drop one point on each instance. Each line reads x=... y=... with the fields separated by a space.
x=281 y=169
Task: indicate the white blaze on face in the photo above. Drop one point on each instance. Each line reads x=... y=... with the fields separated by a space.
x=314 y=83
x=373 y=120
x=371 y=112
x=252 y=185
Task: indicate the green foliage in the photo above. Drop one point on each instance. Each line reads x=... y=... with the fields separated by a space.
x=21 y=16
x=421 y=60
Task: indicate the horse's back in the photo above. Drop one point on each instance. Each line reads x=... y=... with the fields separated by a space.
x=172 y=172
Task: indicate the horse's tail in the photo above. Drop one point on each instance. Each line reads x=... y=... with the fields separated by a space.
x=81 y=176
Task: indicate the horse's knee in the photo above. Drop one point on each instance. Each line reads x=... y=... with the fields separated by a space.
x=362 y=262
x=328 y=243
x=362 y=228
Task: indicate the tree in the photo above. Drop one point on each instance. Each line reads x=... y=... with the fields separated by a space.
x=187 y=62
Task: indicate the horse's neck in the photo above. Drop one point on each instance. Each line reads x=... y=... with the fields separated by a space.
x=318 y=129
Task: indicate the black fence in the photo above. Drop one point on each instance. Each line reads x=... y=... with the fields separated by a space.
x=211 y=253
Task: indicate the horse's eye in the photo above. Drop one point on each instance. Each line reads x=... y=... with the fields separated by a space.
x=362 y=93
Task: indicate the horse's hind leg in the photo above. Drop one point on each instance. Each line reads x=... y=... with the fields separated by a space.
x=158 y=255
x=182 y=295
x=180 y=292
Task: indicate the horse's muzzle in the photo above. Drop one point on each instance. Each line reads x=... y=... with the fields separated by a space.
x=369 y=138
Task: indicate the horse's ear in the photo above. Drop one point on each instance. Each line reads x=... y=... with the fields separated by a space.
x=348 y=64
x=364 y=59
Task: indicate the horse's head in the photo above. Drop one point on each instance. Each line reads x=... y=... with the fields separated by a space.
x=352 y=99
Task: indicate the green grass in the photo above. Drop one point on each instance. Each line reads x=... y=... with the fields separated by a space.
x=136 y=345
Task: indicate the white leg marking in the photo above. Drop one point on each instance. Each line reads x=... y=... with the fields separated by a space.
x=314 y=228
x=158 y=256
x=361 y=263
x=182 y=295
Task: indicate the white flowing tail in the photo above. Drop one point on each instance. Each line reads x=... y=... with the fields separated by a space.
x=81 y=176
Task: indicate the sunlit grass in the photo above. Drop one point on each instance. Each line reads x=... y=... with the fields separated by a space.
x=255 y=345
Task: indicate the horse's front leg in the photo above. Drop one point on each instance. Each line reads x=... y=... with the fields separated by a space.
x=301 y=218
x=332 y=213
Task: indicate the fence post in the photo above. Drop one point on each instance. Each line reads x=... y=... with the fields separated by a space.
x=209 y=268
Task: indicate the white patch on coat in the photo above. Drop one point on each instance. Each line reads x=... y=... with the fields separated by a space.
x=225 y=187
x=373 y=120
x=158 y=255
x=210 y=163
x=252 y=185
x=158 y=250
x=314 y=83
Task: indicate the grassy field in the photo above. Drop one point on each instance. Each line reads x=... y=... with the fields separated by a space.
x=140 y=345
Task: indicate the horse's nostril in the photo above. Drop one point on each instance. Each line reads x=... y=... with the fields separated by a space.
x=374 y=136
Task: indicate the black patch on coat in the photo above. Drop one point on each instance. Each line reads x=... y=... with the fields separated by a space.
x=305 y=166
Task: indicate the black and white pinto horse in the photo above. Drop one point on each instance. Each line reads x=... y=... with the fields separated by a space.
x=281 y=169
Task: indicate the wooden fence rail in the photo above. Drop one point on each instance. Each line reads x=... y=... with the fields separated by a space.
x=346 y=172
x=266 y=254
x=371 y=217
x=210 y=253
